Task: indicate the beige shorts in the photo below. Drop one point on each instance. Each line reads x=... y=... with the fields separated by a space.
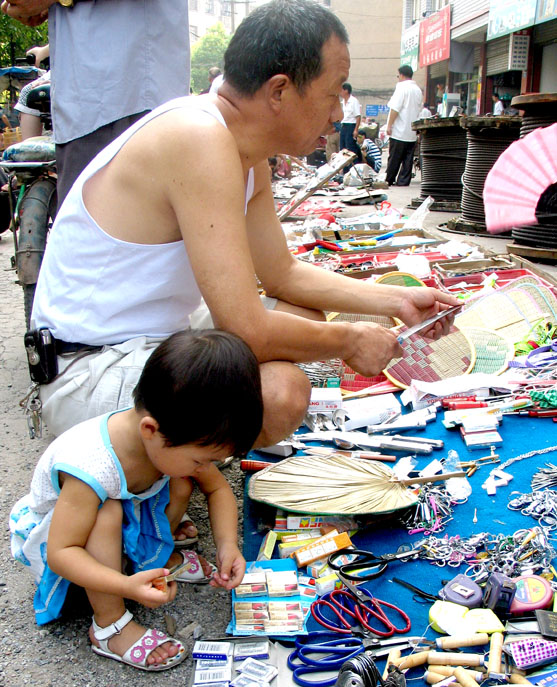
x=91 y=384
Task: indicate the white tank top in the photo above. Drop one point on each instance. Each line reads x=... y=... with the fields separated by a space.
x=97 y=289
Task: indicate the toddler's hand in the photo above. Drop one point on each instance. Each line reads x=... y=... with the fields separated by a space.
x=141 y=588
x=231 y=567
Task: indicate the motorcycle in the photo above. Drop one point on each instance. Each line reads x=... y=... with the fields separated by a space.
x=31 y=169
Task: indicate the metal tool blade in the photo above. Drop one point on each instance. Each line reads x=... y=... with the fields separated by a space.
x=426 y=323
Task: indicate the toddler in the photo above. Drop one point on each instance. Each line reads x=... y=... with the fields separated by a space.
x=114 y=485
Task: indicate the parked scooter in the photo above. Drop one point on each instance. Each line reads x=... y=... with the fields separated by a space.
x=31 y=169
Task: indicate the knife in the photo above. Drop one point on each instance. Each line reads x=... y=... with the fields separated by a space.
x=426 y=323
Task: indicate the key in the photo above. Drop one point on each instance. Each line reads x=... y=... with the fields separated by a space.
x=34 y=419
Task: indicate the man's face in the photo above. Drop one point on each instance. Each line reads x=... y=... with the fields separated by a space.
x=318 y=106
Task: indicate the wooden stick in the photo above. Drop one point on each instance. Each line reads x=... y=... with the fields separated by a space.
x=413 y=660
x=433 y=478
x=495 y=653
x=458 y=641
x=463 y=678
x=441 y=658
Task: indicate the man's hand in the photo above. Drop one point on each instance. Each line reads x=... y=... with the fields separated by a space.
x=375 y=347
x=28 y=12
x=39 y=53
x=389 y=131
x=419 y=303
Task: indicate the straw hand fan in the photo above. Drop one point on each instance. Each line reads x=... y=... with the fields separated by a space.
x=332 y=485
x=517 y=186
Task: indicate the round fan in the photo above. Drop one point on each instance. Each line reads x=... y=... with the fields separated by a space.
x=493 y=351
x=399 y=279
x=431 y=361
x=524 y=173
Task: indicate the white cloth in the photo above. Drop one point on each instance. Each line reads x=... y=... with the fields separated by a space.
x=498 y=108
x=216 y=83
x=425 y=114
x=114 y=59
x=407 y=101
x=96 y=289
x=351 y=110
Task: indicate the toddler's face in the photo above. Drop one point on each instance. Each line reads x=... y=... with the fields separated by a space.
x=187 y=460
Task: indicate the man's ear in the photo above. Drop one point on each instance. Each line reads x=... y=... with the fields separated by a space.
x=277 y=87
x=148 y=427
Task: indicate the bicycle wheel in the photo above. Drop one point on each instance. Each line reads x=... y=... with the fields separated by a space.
x=36 y=214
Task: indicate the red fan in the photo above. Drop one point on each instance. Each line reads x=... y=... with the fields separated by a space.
x=519 y=178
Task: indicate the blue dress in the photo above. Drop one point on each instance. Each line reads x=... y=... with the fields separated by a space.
x=86 y=453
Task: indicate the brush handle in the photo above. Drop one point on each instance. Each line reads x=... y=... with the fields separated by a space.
x=253 y=465
x=443 y=658
x=412 y=660
x=458 y=641
x=393 y=655
x=495 y=652
x=463 y=678
x=433 y=478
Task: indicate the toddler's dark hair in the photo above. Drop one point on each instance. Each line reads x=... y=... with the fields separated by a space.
x=203 y=387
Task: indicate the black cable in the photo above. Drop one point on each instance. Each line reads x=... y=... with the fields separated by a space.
x=443 y=158
x=361 y=671
x=484 y=148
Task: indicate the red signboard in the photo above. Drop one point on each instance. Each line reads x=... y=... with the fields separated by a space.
x=435 y=37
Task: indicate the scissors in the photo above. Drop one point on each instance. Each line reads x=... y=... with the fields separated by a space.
x=325 y=651
x=365 y=565
x=359 y=605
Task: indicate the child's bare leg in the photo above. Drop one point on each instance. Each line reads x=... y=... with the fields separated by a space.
x=105 y=545
x=180 y=489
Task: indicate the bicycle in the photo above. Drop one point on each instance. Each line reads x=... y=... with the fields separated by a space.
x=32 y=164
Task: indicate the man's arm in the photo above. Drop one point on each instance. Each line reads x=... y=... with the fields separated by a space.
x=393 y=114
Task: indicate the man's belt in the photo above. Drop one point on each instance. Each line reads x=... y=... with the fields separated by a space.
x=63 y=347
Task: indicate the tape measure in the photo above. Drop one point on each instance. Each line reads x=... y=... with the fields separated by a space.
x=532 y=592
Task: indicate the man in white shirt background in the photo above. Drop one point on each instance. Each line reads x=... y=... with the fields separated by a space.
x=405 y=107
x=351 y=118
x=498 y=107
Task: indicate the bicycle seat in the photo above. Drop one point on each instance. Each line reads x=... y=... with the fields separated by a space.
x=34 y=149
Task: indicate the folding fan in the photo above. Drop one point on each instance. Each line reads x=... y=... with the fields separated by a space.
x=519 y=178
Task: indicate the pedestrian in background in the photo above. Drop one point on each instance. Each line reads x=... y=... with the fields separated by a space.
x=405 y=107
x=498 y=107
x=350 y=123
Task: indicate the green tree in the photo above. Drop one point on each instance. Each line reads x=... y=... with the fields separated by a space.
x=207 y=52
x=16 y=39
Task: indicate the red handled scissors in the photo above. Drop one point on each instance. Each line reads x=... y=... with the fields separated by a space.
x=359 y=605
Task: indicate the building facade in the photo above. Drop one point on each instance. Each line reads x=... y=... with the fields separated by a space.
x=491 y=46
x=374 y=31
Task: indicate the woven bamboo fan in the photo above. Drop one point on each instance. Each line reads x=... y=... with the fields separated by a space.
x=493 y=351
x=432 y=361
x=330 y=485
x=382 y=320
x=399 y=279
x=511 y=311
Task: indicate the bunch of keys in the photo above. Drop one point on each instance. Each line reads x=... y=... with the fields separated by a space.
x=32 y=405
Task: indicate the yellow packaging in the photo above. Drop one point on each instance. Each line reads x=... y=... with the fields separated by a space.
x=323 y=547
x=324 y=585
x=267 y=546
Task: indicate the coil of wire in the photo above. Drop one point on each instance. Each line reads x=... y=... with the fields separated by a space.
x=443 y=158
x=484 y=147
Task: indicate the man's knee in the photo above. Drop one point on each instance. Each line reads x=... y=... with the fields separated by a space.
x=286 y=395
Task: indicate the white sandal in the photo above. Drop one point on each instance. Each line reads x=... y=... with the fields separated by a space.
x=138 y=653
x=193 y=573
x=188 y=541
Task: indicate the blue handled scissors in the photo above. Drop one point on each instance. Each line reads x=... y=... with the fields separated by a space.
x=321 y=651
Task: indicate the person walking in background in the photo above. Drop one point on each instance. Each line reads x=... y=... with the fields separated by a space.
x=498 y=108
x=351 y=118
x=405 y=107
